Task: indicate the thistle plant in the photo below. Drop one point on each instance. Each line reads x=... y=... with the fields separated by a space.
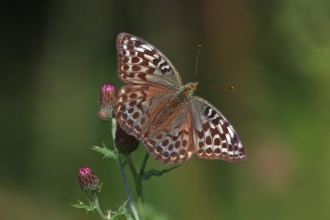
x=157 y=108
x=123 y=146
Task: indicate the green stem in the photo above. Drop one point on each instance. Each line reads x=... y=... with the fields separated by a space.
x=131 y=203
x=138 y=184
x=144 y=163
x=96 y=202
x=131 y=207
x=137 y=178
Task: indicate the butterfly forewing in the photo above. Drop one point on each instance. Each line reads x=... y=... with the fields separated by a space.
x=156 y=108
x=141 y=62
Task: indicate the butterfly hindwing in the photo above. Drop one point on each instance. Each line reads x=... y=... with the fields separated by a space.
x=172 y=142
x=137 y=105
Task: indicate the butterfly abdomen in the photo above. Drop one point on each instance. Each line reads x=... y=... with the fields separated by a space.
x=166 y=112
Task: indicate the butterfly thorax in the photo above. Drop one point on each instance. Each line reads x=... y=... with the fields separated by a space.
x=186 y=90
x=178 y=98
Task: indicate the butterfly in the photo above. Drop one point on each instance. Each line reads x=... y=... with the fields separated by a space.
x=158 y=109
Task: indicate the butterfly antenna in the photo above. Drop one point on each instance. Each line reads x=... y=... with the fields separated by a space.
x=199 y=50
x=221 y=87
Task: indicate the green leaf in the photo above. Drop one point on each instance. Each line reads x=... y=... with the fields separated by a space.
x=87 y=207
x=121 y=211
x=105 y=151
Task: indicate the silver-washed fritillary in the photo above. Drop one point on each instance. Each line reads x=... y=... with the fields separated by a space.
x=158 y=109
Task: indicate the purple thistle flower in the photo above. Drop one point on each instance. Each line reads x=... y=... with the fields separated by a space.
x=88 y=180
x=107 y=97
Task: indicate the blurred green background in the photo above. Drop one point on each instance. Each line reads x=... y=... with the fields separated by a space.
x=56 y=55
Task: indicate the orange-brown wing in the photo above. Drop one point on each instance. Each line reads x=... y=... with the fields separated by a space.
x=172 y=142
x=137 y=105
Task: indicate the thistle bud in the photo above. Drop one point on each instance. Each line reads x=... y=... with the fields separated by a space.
x=107 y=97
x=88 y=180
x=125 y=143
